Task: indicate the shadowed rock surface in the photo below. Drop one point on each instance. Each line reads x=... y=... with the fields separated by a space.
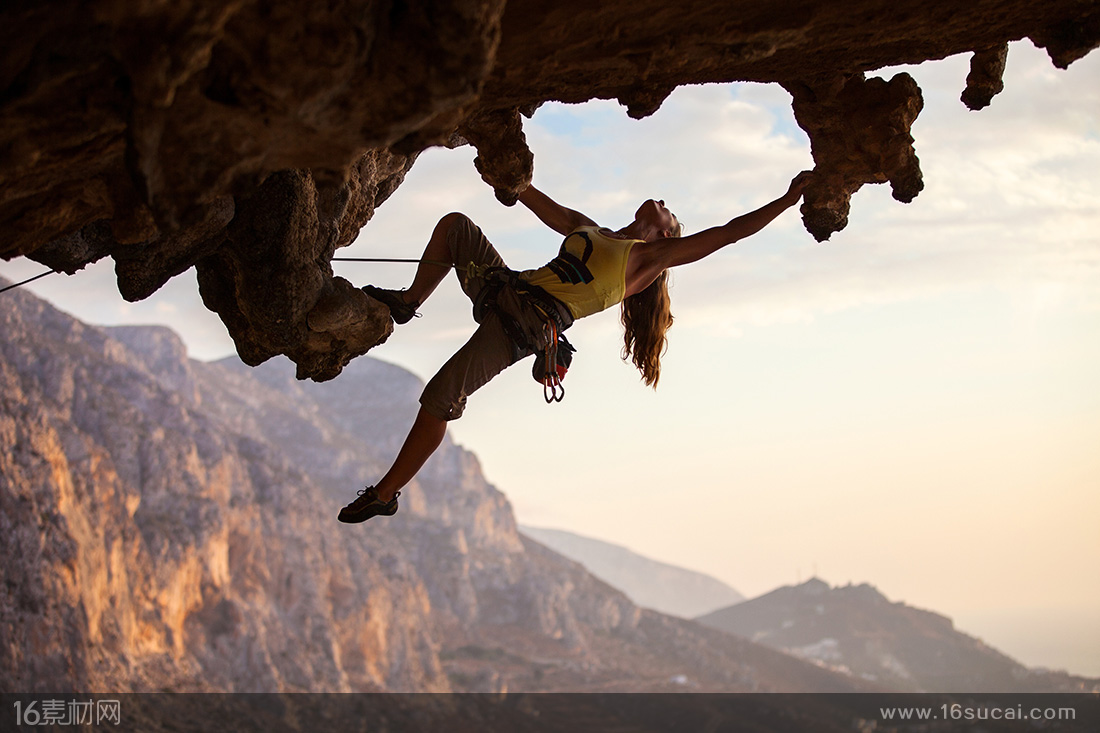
x=251 y=140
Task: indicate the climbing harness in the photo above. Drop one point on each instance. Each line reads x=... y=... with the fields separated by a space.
x=520 y=305
x=515 y=301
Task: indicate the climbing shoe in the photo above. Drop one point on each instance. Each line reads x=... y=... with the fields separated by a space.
x=368 y=505
x=400 y=311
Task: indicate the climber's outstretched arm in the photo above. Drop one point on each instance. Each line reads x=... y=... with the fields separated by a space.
x=559 y=218
x=673 y=252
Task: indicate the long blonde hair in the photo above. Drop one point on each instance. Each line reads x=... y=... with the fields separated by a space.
x=646 y=318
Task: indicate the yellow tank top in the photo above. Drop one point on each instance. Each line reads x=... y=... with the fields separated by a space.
x=589 y=273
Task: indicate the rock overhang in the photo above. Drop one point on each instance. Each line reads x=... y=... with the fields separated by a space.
x=251 y=141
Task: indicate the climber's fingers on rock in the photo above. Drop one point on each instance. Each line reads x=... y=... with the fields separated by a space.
x=799 y=182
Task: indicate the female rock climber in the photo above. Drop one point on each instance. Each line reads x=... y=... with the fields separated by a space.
x=595 y=269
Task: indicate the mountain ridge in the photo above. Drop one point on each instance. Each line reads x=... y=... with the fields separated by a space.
x=650 y=583
x=856 y=630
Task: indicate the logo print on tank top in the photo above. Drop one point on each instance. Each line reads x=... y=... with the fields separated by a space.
x=568 y=267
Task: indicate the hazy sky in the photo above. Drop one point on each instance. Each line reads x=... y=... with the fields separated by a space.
x=914 y=404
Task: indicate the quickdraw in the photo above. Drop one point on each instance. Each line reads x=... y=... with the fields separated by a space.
x=548 y=370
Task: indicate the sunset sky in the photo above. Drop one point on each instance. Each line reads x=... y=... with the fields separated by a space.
x=914 y=403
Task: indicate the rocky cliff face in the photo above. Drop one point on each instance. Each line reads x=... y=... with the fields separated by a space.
x=147 y=546
x=168 y=524
x=251 y=140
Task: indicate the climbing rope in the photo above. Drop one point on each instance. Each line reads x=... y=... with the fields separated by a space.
x=389 y=259
x=28 y=280
x=334 y=259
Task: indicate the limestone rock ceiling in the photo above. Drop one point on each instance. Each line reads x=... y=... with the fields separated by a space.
x=251 y=139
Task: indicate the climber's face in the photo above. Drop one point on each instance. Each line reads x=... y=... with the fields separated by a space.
x=655 y=213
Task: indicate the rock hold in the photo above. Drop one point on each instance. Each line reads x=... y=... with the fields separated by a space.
x=644 y=101
x=985 y=80
x=1070 y=38
x=503 y=160
x=859 y=133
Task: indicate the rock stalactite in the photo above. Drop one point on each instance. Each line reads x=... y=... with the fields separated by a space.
x=271 y=283
x=987 y=67
x=169 y=136
x=859 y=133
x=503 y=160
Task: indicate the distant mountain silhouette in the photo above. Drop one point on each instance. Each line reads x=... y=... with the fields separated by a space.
x=854 y=629
x=649 y=583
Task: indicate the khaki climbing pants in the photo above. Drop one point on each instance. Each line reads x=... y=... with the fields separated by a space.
x=489 y=350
